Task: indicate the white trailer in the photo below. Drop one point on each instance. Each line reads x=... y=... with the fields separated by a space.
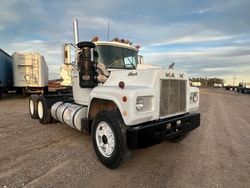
x=218 y=85
x=124 y=107
x=30 y=72
x=196 y=84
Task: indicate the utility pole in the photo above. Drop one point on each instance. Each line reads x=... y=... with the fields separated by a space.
x=234 y=80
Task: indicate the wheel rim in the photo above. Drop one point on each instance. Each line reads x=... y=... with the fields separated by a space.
x=105 y=139
x=40 y=109
x=32 y=107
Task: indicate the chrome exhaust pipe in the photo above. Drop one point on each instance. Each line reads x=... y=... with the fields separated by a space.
x=75 y=28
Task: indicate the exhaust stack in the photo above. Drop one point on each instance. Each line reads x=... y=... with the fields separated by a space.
x=84 y=56
x=75 y=28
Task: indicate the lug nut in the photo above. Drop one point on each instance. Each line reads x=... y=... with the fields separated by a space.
x=168 y=126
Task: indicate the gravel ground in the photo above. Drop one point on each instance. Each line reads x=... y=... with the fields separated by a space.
x=217 y=154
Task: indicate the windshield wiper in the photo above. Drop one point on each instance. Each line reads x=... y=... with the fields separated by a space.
x=111 y=64
x=130 y=62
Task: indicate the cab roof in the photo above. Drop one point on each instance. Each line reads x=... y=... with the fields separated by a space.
x=117 y=44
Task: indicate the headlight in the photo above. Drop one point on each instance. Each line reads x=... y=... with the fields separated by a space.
x=139 y=103
x=195 y=97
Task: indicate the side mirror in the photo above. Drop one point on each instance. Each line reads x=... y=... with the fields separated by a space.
x=67 y=54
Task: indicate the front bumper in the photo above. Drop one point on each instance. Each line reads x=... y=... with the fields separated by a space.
x=151 y=133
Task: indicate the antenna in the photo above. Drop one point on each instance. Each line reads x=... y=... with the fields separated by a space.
x=108 y=30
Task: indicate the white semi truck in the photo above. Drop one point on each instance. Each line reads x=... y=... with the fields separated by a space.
x=123 y=104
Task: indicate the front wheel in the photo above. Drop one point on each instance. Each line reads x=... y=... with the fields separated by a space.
x=109 y=140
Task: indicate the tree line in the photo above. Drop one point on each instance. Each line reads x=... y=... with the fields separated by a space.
x=208 y=82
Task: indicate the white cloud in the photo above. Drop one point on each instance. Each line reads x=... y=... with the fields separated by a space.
x=219 y=6
x=213 y=62
x=193 y=38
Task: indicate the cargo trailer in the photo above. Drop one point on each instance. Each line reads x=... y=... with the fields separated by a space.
x=6 y=78
x=30 y=72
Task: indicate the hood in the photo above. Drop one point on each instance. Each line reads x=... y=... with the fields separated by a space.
x=143 y=77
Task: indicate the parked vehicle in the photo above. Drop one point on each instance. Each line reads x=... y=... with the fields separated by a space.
x=30 y=73
x=6 y=79
x=216 y=85
x=123 y=104
x=244 y=87
x=195 y=84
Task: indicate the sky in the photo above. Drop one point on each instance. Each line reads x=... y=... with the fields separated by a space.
x=209 y=38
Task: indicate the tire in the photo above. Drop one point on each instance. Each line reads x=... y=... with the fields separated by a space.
x=33 y=106
x=115 y=150
x=46 y=90
x=43 y=110
x=178 y=138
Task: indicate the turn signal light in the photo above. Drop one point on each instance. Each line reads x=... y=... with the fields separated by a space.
x=124 y=99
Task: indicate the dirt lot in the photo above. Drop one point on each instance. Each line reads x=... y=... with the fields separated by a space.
x=217 y=154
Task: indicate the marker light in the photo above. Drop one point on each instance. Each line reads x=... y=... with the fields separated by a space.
x=121 y=84
x=124 y=99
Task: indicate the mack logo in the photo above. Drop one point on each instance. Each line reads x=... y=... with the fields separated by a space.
x=132 y=74
x=170 y=75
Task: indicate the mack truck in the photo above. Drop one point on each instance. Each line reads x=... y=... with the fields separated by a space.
x=122 y=103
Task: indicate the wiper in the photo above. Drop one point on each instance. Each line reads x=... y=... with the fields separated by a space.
x=111 y=64
x=130 y=62
x=115 y=61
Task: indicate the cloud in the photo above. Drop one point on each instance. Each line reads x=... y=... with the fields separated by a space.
x=218 y=7
x=213 y=62
x=193 y=38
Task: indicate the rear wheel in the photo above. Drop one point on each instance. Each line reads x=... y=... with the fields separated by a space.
x=33 y=106
x=46 y=90
x=43 y=111
x=108 y=136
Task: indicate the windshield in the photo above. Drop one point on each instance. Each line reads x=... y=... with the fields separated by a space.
x=114 y=57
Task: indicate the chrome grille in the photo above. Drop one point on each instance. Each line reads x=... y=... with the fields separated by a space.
x=172 y=97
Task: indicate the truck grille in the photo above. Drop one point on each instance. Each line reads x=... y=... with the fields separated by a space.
x=172 y=97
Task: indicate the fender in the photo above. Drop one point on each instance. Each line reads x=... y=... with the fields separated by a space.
x=127 y=108
x=101 y=93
